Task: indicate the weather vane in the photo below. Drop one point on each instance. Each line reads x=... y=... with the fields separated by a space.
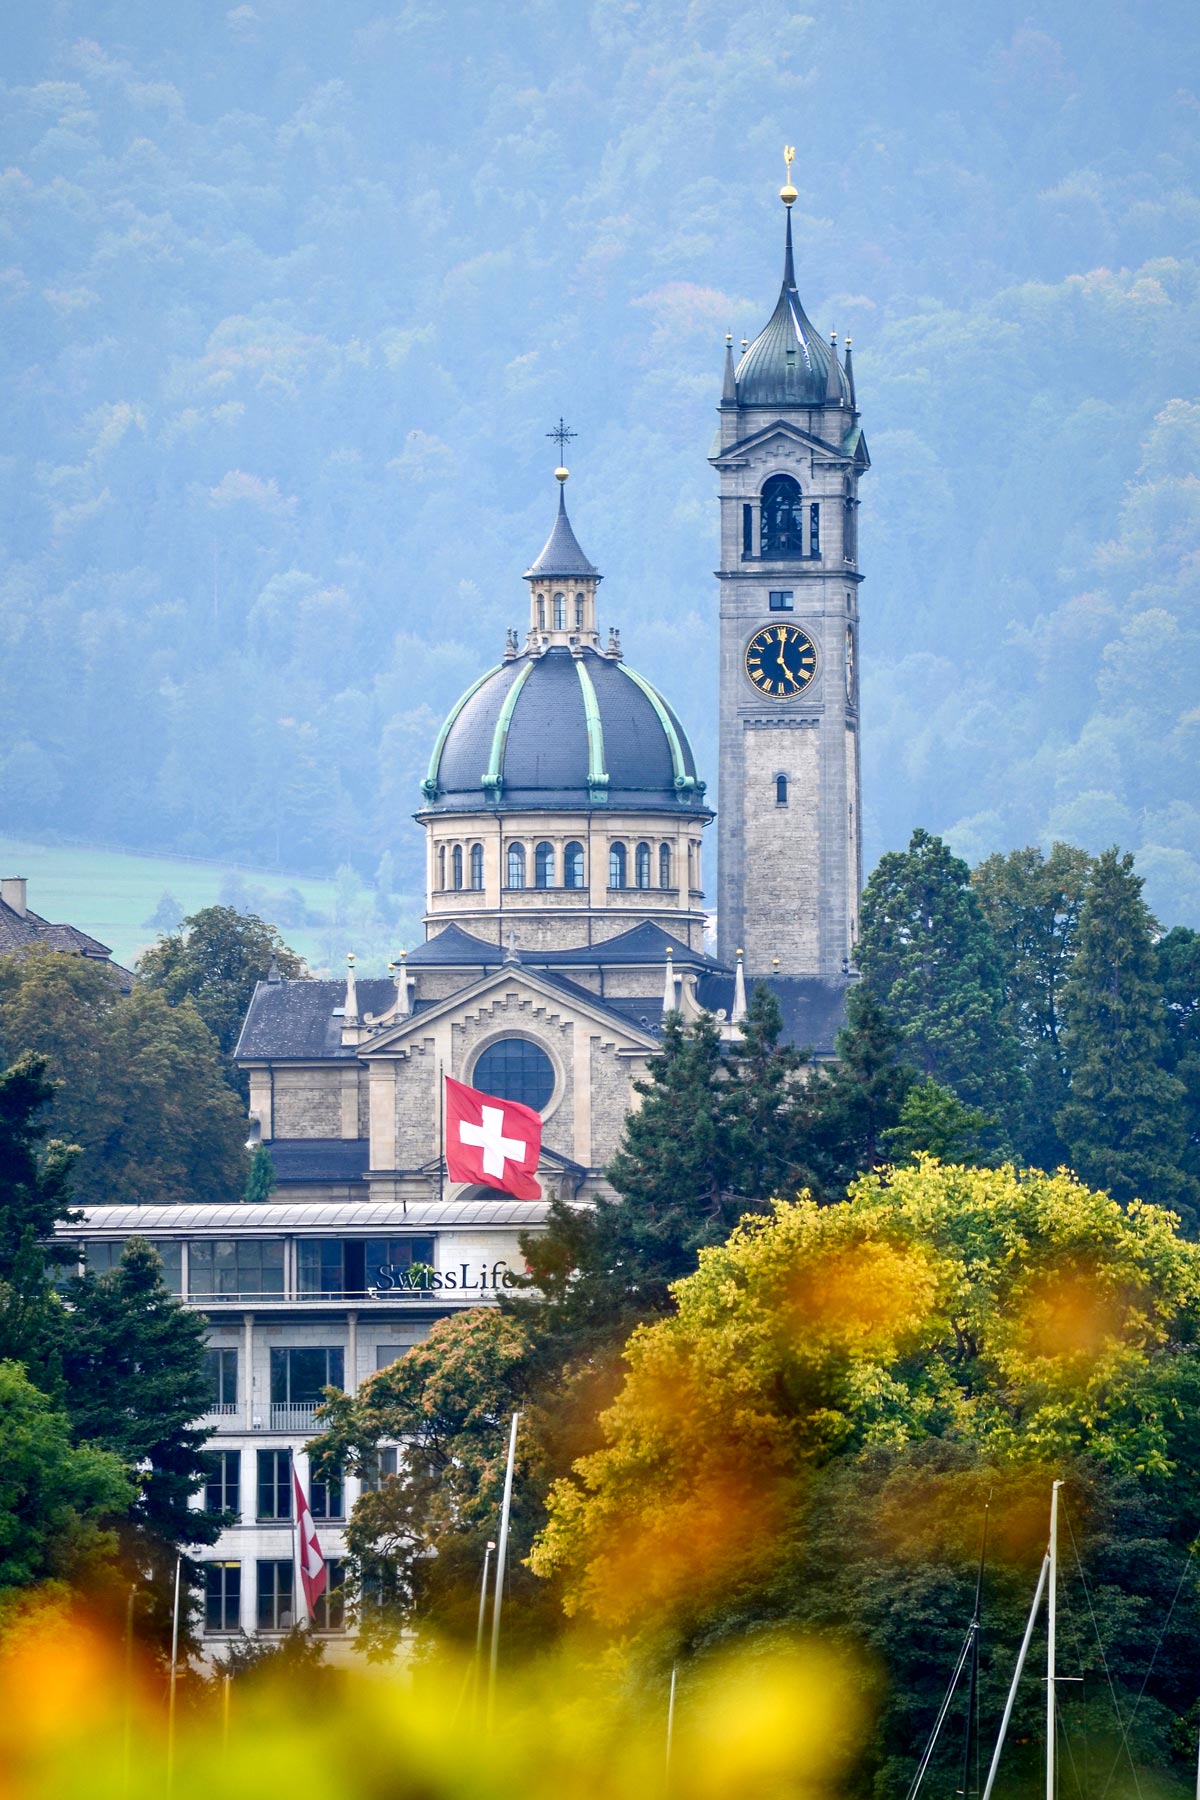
x=562 y=437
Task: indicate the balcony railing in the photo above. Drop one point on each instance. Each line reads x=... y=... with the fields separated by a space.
x=221 y=1409
x=295 y=1416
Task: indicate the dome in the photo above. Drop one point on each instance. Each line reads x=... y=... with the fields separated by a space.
x=560 y=731
x=789 y=363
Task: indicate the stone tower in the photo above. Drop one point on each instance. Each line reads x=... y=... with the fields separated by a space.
x=790 y=453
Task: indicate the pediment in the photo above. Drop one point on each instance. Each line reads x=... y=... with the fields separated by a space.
x=555 y=999
x=779 y=431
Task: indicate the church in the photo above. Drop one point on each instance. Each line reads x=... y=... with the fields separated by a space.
x=566 y=828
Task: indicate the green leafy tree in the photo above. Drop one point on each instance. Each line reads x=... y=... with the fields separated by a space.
x=56 y=1497
x=135 y=1385
x=214 y=960
x=933 y=1121
x=1123 y=1125
x=1178 y=968
x=260 y=1177
x=929 y=954
x=35 y=1196
x=138 y=1083
x=808 y=1440
x=1033 y=902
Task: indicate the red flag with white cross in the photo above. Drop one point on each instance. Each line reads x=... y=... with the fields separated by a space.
x=314 y=1576
x=495 y=1143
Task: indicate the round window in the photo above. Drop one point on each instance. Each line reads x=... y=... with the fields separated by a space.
x=515 y=1069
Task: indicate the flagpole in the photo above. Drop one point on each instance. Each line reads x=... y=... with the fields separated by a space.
x=671 y=1718
x=501 y=1557
x=174 y=1672
x=487 y=1557
x=441 y=1131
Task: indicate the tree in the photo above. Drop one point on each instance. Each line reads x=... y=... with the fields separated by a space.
x=35 y=1195
x=138 y=1083
x=135 y=1385
x=214 y=960
x=933 y=1121
x=1178 y=970
x=56 y=1497
x=856 y=1100
x=930 y=956
x=416 y=1537
x=1032 y=903
x=809 y=1439
x=260 y=1177
x=1123 y=1125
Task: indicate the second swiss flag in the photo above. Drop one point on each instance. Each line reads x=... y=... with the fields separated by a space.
x=493 y=1142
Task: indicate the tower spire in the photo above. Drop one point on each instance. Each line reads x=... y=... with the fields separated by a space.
x=788 y=195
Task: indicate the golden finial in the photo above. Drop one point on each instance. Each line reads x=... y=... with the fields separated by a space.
x=740 y=955
x=561 y=474
x=787 y=192
x=728 y=339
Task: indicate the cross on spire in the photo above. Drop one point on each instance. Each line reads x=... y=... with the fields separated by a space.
x=562 y=437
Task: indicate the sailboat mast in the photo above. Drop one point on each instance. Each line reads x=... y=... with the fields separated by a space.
x=1051 y=1631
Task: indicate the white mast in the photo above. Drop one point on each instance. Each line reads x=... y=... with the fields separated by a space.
x=1051 y=1625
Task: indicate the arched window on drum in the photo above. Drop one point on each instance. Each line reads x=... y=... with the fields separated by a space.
x=664 y=865
x=543 y=866
x=477 y=867
x=573 y=866
x=642 y=865
x=456 y=866
x=516 y=865
x=616 y=866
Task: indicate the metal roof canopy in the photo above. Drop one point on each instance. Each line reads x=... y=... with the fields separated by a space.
x=273 y=1219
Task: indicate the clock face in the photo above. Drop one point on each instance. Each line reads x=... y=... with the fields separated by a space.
x=781 y=661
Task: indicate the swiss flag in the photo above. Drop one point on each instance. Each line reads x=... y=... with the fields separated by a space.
x=493 y=1142
x=314 y=1576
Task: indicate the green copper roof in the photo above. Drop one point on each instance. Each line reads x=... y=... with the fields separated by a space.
x=597 y=776
x=429 y=787
x=493 y=780
x=789 y=362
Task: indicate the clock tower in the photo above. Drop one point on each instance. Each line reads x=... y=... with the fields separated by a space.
x=790 y=451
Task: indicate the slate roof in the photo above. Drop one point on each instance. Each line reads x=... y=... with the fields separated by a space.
x=788 y=364
x=813 y=1006
x=20 y=932
x=551 y=731
x=561 y=554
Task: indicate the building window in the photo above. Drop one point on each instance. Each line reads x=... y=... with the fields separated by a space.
x=477 y=867
x=543 y=866
x=814 y=530
x=223 y=1484
x=230 y=1267
x=747 y=529
x=104 y=1255
x=516 y=865
x=325 y=1496
x=616 y=866
x=541 y=612
x=397 y=1263
x=222 y=1596
x=220 y=1374
x=782 y=600
x=573 y=866
x=321 y=1268
x=781 y=790
x=382 y=1467
x=275 y=1610
x=329 y=1611
x=456 y=866
x=641 y=865
x=782 y=517
x=515 y=1069
x=664 y=865
x=442 y=867
x=301 y=1373
x=849 y=525
x=274 y=1484
x=579 y=612
x=560 y=612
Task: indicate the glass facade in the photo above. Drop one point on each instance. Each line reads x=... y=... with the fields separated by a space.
x=104 y=1254
x=234 y=1266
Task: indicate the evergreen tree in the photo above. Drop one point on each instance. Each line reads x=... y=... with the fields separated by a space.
x=934 y=1122
x=930 y=956
x=260 y=1177
x=134 y=1368
x=856 y=1100
x=1032 y=903
x=1123 y=1125
x=1178 y=955
x=35 y=1192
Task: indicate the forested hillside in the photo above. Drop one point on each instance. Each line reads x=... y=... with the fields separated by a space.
x=292 y=291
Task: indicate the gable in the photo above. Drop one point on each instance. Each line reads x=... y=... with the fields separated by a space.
x=516 y=989
x=780 y=431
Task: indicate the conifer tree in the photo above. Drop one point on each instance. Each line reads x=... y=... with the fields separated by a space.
x=134 y=1368
x=1123 y=1124
x=930 y=956
x=260 y=1176
x=1032 y=903
x=1179 y=975
x=35 y=1192
x=854 y=1101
